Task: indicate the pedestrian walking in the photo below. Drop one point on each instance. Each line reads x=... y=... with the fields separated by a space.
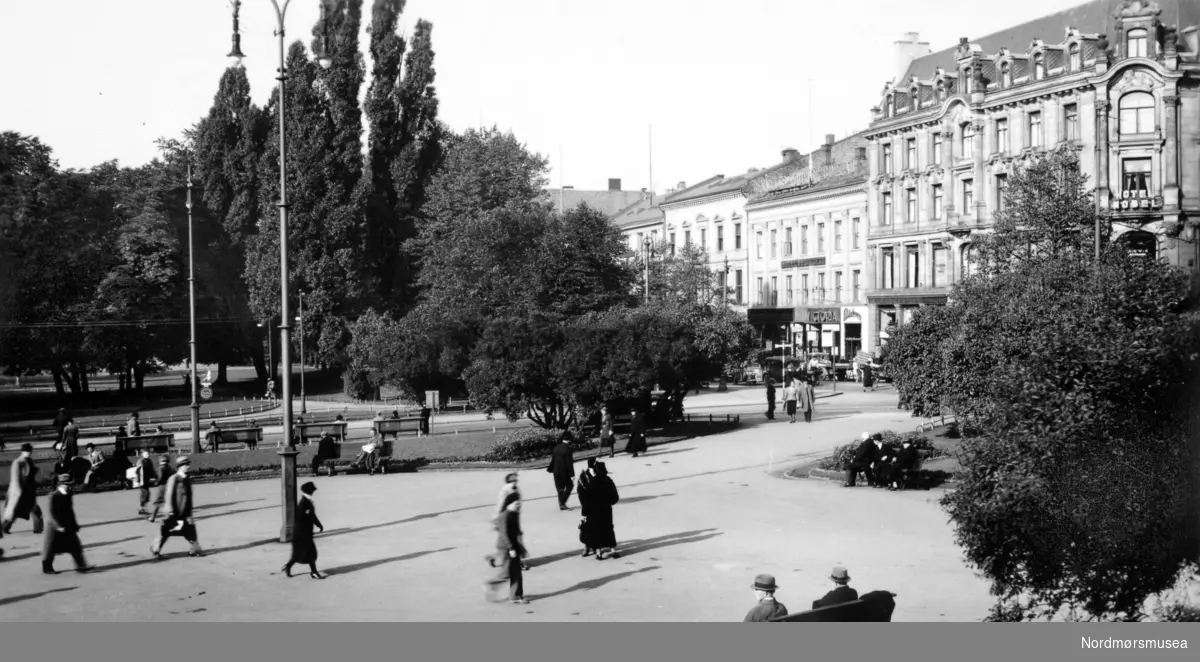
x=840 y=595
x=607 y=438
x=60 y=422
x=562 y=466
x=768 y=607
x=770 y=399
x=160 y=495
x=602 y=496
x=69 y=448
x=21 y=502
x=212 y=437
x=144 y=476
x=511 y=547
x=62 y=534
x=304 y=547
x=807 y=398
x=178 y=520
x=868 y=377
x=510 y=487
x=583 y=492
x=790 y=393
x=637 y=433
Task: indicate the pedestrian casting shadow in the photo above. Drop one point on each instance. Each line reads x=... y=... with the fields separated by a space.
x=638 y=499
x=366 y=565
x=593 y=583
x=670 y=452
x=204 y=507
x=235 y=512
x=34 y=596
x=91 y=545
x=631 y=547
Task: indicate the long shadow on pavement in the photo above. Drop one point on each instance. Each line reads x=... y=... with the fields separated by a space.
x=639 y=499
x=670 y=452
x=91 y=545
x=34 y=596
x=635 y=546
x=593 y=583
x=209 y=506
x=366 y=565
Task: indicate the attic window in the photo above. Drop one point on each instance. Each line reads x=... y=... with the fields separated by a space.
x=1135 y=43
x=1039 y=67
x=1005 y=75
x=1073 y=61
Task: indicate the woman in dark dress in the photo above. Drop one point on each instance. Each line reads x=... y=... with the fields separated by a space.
x=304 y=548
x=637 y=434
x=602 y=496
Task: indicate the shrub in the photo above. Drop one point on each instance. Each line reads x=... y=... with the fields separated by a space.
x=529 y=444
x=840 y=459
x=1178 y=612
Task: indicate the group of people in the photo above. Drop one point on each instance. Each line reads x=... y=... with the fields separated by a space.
x=768 y=608
x=798 y=396
x=884 y=465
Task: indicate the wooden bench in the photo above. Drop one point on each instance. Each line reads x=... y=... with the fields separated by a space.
x=344 y=459
x=155 y=443
x=307 y=431
x=394 y=426
x=249 y=437
x=874 y=607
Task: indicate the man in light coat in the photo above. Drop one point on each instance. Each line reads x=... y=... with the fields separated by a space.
x=807 y=398
x=22 y=493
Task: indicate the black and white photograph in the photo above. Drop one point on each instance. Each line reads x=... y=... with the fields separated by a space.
x=601 y=311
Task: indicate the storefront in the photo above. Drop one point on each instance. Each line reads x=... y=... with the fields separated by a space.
x=837 y=331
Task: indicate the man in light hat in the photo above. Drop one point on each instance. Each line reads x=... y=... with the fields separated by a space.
x=62 y=535
x=840 y=595
x=22 y=492
x=510 y=487
x=178 y=520
x=145 y=477
x=767 y=608
x=95 y=458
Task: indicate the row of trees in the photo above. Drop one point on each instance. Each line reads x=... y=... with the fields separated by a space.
x=1075 y=380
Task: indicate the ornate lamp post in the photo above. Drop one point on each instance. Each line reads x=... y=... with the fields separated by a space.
x=289 y=454
x=195 y=406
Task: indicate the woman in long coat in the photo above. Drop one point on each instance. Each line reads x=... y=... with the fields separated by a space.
x=607 y=438
x=304 y=548
x=637 y=434
x=21 y=502
x=602 y=496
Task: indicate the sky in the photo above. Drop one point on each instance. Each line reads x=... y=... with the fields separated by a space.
x=593 y=85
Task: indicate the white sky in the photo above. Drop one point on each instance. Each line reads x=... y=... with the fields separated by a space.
x=724 y=84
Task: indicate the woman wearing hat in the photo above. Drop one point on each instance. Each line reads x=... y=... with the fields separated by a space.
x=22 y=492
x=178 y=521
x=304 y=548
x=510 y=546
x=602 y=496
x=767 y=608
x=62 y=536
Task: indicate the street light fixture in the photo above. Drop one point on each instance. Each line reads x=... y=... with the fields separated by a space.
x=195 y=406
x=289 y=454
x=646 y=257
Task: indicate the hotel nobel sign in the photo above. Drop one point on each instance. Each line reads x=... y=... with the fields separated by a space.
x=1136 y=200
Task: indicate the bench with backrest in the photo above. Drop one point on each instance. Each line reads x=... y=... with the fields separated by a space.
x=156 y=443
x=250 y=438
x=347 y=451
x=874 y=607
x=308 y=432
x=394 y=426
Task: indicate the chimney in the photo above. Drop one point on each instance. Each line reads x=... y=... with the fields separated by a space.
x=830 y=139
x=906 y=50
x=791 y=155
x=614 y=184
x=681 y=186
x=568 y=187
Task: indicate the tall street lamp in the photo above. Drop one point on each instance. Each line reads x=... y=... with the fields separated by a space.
x=646 y=258
x=300 y=319
x=192 y=310
x=288 y=455
x=270 y=351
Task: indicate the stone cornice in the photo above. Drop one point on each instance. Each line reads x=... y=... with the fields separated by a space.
x=702 y=200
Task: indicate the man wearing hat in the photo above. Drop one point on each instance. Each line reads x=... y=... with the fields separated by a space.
x=178 y=520
x=510 y=487
x=95 y=459
x=510 y=546
x=906 y=465
x=562 y=466
x=145 y=476
x=767 y=608
x=62 y=536
x=22 y=492
x=304 y=548
x=160 y=495
x=582 y=487
x=864 y=459
x=840 y=595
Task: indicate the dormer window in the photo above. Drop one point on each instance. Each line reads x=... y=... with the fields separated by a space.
x=1039 y=67
x=941 y=90
x=1135 y=43
x=1005 y=75
x=889 y=108
x=1074 y=63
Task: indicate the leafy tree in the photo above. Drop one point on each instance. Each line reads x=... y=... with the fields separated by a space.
x=512 y=369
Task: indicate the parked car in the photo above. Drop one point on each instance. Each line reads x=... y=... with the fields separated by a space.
x=752 y=373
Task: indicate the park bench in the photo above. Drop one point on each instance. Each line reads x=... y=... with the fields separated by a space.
x=305 y=432
x=874 y=607
x=394 y=426
x=344 y=459
x=155 y=443
x=248 y=437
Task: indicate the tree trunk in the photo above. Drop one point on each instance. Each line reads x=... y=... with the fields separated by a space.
x=222 y=373
x=139 y=376
x=58 y=382
x=83 y=378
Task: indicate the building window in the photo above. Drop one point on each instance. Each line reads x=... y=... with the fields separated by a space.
x=968 y=187
x=804 y=240
x=821 y=288
x=1035 y=129
x=937 y=148
x=1073 y=60
x=762 y=294
x=737 y=294
x=857 y=228
x=968 y=140
x=939 y=277
x=887 y=159
x=910 y=206
x=1136 y=43
x=1137 y=113
x=1071 y=121
x=1001 y=191
x=720 y=238
x=1005 y=75
x=968 y=256
x=938 y=203
x=886 y=219
x=804 y=289
x=641 y=242
x=1039 y=67
x=837 y=286
x=856 y=282
x=910 y=154
x=789 y=290
x=672 y=243
x=820 y=238
x=703 y=239
x=888 y=267
x=913 y=271
x=774 y=243
x=737 y=236
x=774 y=297
x=787 y=244
x=837 y=236
x=1135 y=177
x=759 y=239
x=1002 y=135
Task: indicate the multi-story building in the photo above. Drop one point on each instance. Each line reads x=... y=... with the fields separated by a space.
x=807 y=230
x=949 y=132
x=640 y=221
x=607 y=202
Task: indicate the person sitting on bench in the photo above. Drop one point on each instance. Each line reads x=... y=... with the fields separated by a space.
x=326 y=450
x=96 y=458
x=369 y=457
x=840 y=595
x=767 y=608
x=905 y=466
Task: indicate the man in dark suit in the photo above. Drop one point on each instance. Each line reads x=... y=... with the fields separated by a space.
x=62 y=531
x=767 y=608
x=840 y=595
x=864 y=459
x=770 y=399
x=905 y=466
x=884 y=465
x=562 y=466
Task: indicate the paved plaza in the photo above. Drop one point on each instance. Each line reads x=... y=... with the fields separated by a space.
x=698 y=519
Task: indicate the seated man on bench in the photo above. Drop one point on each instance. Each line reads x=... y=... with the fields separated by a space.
x=95 y=458
x=369 y=457
x=326 y=451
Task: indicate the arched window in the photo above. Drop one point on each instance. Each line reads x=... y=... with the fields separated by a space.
x=1005 y=75
x=1135 y=43
x=1139 y=243
x=1039 y=67
x=1073 y=61
x=1137 y=113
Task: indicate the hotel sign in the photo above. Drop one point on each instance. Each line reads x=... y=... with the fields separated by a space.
x=804 y=262
x=1134 y=200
